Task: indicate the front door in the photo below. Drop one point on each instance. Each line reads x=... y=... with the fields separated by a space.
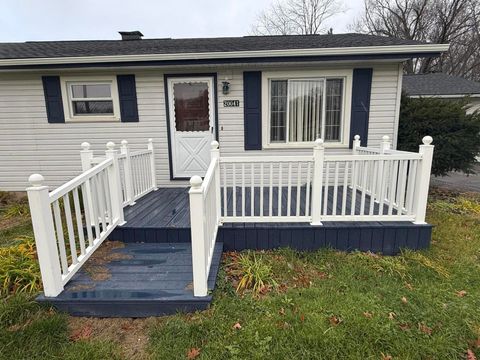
x=192 y=124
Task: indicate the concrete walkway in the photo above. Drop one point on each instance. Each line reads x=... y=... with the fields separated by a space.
x=459 y=181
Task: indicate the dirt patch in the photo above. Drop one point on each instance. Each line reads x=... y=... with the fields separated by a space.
x=10 y=222
x=96 y=267
x=131 y=335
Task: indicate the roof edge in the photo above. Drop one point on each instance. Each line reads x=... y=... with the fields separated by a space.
x=361 y=50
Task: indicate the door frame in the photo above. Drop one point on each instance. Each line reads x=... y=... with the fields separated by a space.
x=166 y=77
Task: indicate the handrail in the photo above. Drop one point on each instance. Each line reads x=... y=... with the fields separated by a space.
x=72 y=221
x=75 y=182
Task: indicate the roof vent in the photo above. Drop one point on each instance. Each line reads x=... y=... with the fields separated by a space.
x=131 y=35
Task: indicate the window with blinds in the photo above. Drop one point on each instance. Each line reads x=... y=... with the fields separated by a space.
x=302 y=110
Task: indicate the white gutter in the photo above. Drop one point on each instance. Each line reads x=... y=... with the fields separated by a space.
x=361 y=50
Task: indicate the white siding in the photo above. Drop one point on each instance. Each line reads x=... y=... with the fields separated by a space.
x=29 y=144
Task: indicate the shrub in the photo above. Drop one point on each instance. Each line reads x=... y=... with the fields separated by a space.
x=19 y=270
x=456 y=135
x=17 y=210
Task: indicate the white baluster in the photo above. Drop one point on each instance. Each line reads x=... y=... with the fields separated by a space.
x=423 y=179
x=197 y=219
x=152 y=165
x=318 y=157
x=114 y=184
x=86 y=156
x=215 y=154
x=43 y=229
x=127 y=169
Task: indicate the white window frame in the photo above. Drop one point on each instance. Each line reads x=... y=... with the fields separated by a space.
x=66 y=85
x=267 y=77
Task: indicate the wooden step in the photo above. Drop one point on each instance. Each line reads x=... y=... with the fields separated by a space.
x=151 y=279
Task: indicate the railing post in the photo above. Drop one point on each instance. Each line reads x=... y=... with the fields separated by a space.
x=215 y=155
x=127 y=169
x=356 y=144
x=86 y=156
x=422 y=182
x=45 y=238
x=317 y=184
x=152 y=165
x=114 y=184
x=197 y=223
x=385 y=144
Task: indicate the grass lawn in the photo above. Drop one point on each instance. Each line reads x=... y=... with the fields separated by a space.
x=319 y=305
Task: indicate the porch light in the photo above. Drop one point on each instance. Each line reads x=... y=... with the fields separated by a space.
x=225 y=87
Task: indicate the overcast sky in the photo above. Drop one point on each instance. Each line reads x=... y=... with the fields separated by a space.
x=22 y=20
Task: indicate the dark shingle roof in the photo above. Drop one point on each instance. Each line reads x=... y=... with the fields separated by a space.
x=50 y=49
x=439 y=84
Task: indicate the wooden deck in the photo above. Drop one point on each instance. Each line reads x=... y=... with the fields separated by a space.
x=140 y=280
x=163 y=216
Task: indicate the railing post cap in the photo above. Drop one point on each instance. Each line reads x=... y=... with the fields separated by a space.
x=214 y=144
x=150 y=140
x=124 y=142
x=195 y=181
x=110 y=145
x=36 y=180
x=319 y=143
x=427 y=140
x=386 y=138
x=85 y=146
x=357 y=137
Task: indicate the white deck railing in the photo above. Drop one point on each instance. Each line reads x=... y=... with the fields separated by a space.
x=369 y=184
x=85 y=210
x=204 y=220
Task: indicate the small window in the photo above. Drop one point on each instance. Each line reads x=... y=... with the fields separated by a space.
x=302 y=110
x=91 y=100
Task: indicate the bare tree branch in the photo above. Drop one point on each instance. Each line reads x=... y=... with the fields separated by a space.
x=438 y=21
x=296 y=17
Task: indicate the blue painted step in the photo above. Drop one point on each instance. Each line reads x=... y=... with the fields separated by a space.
x=151 y=279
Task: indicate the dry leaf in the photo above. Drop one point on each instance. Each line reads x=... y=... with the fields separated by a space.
x=302 y=317
x=404 y=326
x=237 y=326
x=409 y=286
x=334 y=320
x=471 y=355
x=425 y=329
x=83 y=333
x=282 y=311
x=386 y=357
x=404 y=300
x=461 y=293
x=391 y=315
x=367 y=314
x=477 y=343
x=193 y=353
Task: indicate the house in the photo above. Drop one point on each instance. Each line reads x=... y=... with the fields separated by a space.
x=439 y=85
x=294 y=137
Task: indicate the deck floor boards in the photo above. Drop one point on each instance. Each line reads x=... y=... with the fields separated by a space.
x=148 y=279
x=169 y=207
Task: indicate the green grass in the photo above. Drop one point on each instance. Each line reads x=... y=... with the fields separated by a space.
x=324 y=305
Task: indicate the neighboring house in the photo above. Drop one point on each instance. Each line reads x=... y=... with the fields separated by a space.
x=56 y=95
x=439 y=85
x=294 y=137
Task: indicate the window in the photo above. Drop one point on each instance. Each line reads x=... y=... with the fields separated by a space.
x=302 y=110
x=89 y=99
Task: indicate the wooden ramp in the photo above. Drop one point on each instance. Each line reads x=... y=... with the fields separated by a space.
x=136 y=280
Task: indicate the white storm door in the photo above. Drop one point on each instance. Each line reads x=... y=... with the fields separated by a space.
x=192 y=124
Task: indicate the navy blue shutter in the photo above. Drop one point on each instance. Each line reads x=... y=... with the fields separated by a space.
x=361 y=90
x=53 y=99
x=127 y=94
x=252 y=99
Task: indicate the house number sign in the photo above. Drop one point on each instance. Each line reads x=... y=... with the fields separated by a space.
x=231 y=103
